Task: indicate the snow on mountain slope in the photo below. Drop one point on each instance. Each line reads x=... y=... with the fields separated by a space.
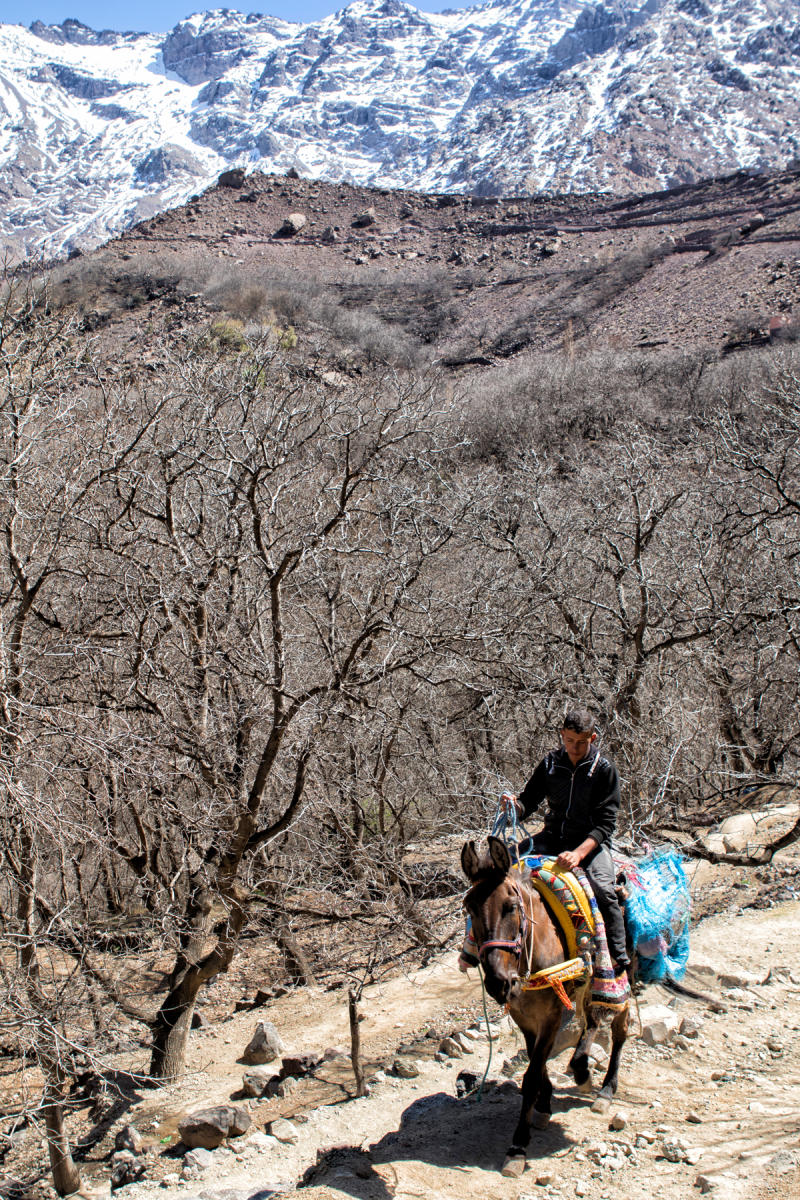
x=98 y=130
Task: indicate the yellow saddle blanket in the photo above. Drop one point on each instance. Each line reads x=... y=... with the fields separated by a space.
x=567 y=899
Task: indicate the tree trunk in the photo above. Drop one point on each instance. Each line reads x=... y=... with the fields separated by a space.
x=355 y=1044
x=297 y=962
x=66 y=1176
x=173 y=1020
x=171 y=1028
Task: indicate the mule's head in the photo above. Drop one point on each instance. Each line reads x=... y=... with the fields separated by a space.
x=493 y=906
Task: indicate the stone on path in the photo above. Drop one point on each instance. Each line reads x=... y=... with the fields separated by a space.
x=365 y=218
x=232 y=179
x=298 y=1065
x=743 y=979
x=284 y=1131
x=292 y=225
x=659 y=1024
x=264 y=1046
x=674 y=1149
x=451 y=1048
x=405 y=1068
x=126 y=1168
x=129 y=1138
x=195 y=1162
x=210 y=1126
x=256 y=1081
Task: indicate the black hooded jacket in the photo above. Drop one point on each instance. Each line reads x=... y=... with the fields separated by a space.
x=582 y=801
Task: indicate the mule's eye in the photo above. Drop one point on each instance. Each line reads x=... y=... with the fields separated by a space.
x=508 y=908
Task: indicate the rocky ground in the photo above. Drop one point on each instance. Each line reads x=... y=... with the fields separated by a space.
x=467 y=282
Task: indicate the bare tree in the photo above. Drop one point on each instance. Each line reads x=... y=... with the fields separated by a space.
x=276 y=539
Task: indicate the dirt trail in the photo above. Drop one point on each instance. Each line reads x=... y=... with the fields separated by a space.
x=730 y=1097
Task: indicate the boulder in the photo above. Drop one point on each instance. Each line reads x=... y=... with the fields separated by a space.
x=129 y=1138
x=211 y=1126
x=364 y=219
x=232 y=179
x=292 y=225
x=264 y=1046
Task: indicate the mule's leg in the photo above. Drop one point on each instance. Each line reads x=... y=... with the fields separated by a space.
x=579 y=1063
x=537 y=1090
x=619 y=1033
x=515 y=1159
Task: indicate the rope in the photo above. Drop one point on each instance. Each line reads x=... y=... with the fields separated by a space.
x=501 y=823
x=488 y=1033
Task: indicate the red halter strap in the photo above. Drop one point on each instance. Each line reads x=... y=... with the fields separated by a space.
x=514 y=947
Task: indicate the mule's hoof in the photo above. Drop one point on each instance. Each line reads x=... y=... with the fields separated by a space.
x=585 y=1087
x=601 y=1105
x=513 y=1166
x=540 y=1120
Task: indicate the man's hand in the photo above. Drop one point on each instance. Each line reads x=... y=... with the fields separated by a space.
x=509 y=805
x=569 y=859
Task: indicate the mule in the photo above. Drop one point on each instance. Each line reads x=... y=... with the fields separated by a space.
x=516 y=936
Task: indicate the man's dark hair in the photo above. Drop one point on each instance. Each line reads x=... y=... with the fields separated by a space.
x=579 y=720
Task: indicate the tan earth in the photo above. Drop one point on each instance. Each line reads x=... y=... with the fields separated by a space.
x=726 y=1102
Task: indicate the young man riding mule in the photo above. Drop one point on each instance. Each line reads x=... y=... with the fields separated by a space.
x=581 y=788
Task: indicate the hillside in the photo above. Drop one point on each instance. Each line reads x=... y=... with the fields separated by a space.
x=517 y=97
x=469 y=283
x=714 y=1112
x=320 y=504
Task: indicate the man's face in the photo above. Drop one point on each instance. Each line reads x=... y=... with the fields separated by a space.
x=577 y=744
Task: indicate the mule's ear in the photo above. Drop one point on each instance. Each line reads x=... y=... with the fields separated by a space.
x=469 y=860
x=498 y=851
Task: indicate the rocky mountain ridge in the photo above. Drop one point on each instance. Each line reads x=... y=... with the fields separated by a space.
x=519 y=97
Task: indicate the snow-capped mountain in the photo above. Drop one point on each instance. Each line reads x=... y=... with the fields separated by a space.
x=100 y=129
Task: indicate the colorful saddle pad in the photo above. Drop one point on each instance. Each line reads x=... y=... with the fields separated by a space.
x=571 y=899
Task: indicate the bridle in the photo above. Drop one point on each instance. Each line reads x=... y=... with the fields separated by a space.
x=526 y=922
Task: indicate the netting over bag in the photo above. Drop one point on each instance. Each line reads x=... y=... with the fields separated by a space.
x=657 y=913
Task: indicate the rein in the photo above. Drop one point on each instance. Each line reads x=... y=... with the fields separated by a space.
x=527 y=924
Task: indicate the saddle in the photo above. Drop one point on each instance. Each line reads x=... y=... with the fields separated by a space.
x=567 y=900
x=570 y=898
